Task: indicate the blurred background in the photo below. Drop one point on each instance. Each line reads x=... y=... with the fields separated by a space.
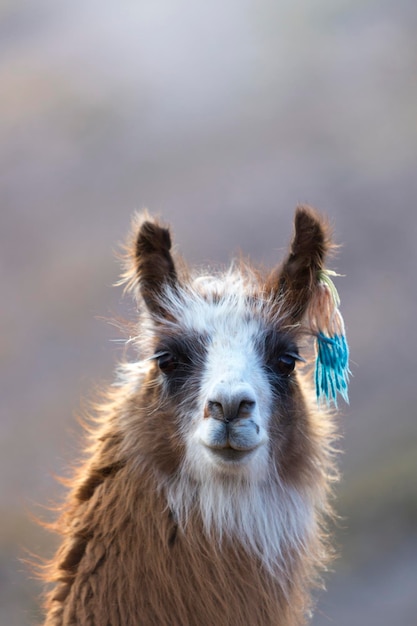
x=220 y=117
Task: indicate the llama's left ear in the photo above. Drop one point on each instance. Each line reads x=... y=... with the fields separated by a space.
x=298 y=277
x=305 y=290
x=150 y=268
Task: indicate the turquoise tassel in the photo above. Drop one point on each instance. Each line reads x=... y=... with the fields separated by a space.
x=332 y=352
x=332 y=368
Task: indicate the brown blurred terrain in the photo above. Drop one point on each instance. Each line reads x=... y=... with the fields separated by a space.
x=220 y=117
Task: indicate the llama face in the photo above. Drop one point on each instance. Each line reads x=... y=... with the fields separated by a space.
x=225 y=348
x=226 y=369
x=223 y=371
x=220 y=416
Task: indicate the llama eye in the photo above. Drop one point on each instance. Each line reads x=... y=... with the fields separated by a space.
x=285 y=364
x=167 y=362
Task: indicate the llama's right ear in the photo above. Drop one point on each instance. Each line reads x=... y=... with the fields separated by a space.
x=149 y=265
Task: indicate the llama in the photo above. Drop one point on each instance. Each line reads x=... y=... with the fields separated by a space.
x=204 y=494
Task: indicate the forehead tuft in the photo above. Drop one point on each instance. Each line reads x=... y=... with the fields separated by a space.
x=230 y=301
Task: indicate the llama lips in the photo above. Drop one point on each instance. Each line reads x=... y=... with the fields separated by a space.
x=244 y=435
x=241 y=435
x=230 y=454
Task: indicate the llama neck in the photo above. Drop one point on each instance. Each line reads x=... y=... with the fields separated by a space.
x=269 y=520
x=126 y=559
x=138 y=549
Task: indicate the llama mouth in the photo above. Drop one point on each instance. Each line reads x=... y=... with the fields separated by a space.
x=234 y=440
x=230 y=455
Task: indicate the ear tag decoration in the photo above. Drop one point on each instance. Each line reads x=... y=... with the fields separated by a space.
x=332 y=352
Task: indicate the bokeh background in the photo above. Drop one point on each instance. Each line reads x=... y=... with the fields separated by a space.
x=219 y=116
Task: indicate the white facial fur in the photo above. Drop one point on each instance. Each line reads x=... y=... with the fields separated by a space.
x=227 y=488
x=233 y=384
x=228 y=430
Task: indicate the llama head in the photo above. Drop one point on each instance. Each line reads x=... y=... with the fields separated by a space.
x=221 y=353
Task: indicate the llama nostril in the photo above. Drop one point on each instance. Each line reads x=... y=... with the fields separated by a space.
x=246 y=408
x=214 y=404
x=214 y=409
x=229 y=409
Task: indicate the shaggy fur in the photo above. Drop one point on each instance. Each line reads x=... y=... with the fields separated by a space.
x=165 y=524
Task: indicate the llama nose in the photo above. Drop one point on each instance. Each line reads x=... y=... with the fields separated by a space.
x=227 y=404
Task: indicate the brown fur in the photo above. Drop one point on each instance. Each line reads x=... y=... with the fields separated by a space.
x=297 y=278
x=124 y=560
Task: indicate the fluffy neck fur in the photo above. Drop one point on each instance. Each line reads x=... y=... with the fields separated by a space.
x=141 y=549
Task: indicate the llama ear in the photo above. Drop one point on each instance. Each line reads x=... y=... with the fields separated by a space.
x=149 y=265
x=304 y=289
x=299 y=275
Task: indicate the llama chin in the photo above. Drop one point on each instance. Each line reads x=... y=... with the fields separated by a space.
x=204 y=495
x=284 y=521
